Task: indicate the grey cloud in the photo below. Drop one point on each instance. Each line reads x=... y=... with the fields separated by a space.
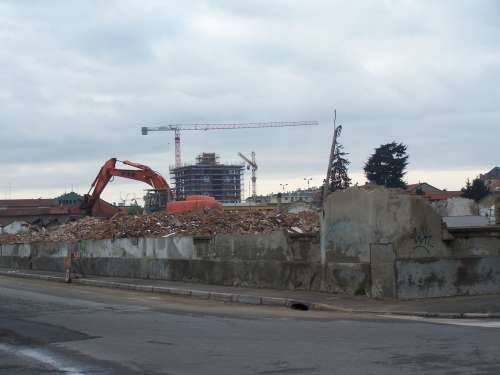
x=78 y=79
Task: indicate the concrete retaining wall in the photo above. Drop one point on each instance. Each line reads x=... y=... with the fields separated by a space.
x=410 y=252
x=475 y=241
x=437 y=277
x=473 y=268
x=274 y=260
x=375 y=241
x=357 y=218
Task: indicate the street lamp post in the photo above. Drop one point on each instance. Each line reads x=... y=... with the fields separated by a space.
x=308 y=179
x=283 y=186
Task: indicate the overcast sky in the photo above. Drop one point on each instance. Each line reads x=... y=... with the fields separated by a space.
x=79 y=78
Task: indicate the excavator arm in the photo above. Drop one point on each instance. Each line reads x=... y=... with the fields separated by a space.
x=143 y=173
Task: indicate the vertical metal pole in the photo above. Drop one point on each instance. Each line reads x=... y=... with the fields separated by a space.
x=177 y=147
x=254 y=177
x=332 y=154
x=254 y=180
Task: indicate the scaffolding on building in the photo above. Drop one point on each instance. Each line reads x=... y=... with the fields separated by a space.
x=209 y=177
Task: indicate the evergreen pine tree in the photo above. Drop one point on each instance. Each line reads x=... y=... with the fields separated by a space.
x=387 y=165
x=339 y=179
x=476 y=190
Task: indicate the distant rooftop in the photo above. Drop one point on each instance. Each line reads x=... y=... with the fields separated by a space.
x=493 y=174
x=465 y=221
x=27 y=203
x=423 y=186
x=442 y=195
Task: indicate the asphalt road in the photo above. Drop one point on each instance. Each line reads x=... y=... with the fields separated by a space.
x=50 y=328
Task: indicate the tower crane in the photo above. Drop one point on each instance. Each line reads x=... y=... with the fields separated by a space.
x=176 y=128
x=252 y=163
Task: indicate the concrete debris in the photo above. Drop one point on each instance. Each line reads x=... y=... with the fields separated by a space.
x=15 y=227
x=207 y=223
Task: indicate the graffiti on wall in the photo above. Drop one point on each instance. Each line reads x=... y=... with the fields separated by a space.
x=423 y=239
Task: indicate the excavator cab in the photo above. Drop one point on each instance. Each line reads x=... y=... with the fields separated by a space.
x=156 y=200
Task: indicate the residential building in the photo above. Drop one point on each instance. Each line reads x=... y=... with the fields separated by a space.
x=431 y=192
x=422 y=187
x=492 y=179
x=68 y=199
x=311 y=195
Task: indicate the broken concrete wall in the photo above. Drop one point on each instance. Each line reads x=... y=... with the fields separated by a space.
x=437 y=277
x=409 y=251
x=356 y=218
x=15 y=227
x=456 y=206
x=474 y=267
x=273 y=260
x=376 y=226
x=469 y=242
x=181 y=247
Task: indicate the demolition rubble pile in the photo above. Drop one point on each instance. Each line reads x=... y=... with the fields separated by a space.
x=163 y=225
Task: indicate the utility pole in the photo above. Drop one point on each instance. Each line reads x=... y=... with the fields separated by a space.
x=336 y=130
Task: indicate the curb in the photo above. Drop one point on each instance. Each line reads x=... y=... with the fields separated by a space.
x=445 y=315
x=200 y=294
x=245 y=298
x=421 y=314
x=32 y=276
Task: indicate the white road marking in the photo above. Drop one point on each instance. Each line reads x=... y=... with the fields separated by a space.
x=42 y=357
x=485 y=323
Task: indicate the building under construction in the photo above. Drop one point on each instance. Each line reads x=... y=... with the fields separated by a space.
x=208 y=177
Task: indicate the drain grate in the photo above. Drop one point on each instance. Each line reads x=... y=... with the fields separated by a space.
x=299 y=306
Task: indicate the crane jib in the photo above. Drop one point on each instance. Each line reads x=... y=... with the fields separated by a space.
x=219 y=126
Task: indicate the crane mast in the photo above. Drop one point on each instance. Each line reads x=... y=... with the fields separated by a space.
x=253 y=165
x=176 y=128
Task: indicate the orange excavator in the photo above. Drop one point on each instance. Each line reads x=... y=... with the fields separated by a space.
x=161 y=197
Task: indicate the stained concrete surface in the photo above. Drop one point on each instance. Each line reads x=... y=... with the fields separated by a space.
x=266 y=260
x=424 y=278
x=272 y=260
x=100 y=330
x=477 y=304
x=427 y=258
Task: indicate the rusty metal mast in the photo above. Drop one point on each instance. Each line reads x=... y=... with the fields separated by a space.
x=176 y=128
x=326 y=183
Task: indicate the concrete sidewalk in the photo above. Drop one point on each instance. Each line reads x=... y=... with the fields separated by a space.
x=487 y=306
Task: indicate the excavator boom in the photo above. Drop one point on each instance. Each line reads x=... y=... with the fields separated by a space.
x=160 y=197
x=143 y=173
